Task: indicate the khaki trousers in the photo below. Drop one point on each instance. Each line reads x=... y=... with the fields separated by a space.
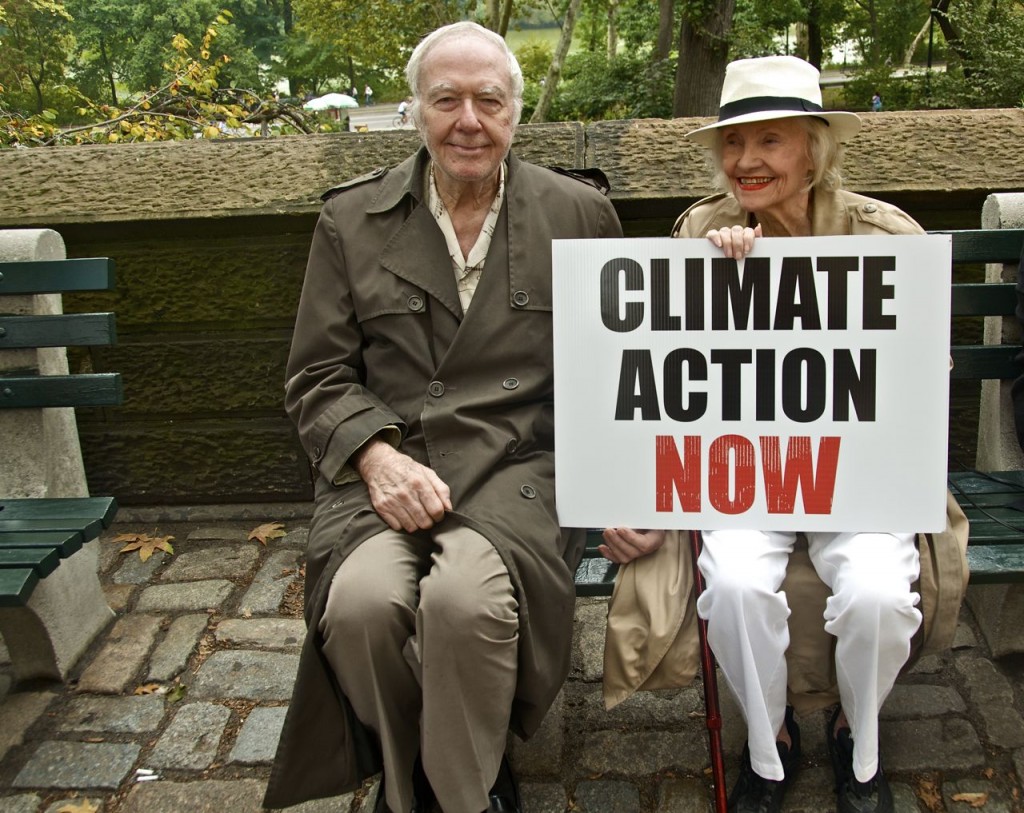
x=422 y=632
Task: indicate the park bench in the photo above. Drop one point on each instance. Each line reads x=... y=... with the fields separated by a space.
x=995 y=550
x=42 y=531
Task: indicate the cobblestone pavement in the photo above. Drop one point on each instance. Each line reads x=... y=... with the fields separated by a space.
x=178 y=705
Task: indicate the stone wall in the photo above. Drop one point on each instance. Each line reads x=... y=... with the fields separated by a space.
x=210 y=240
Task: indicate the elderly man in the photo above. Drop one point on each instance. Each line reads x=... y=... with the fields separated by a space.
x=439 y=590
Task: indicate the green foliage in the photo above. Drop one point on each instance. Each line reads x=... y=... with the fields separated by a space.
x=189 y=102
x=628 y=86
x=986 y=74
x=35 y=40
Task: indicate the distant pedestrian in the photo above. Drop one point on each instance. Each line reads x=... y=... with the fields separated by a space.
x=876 y=102
x=368 y=95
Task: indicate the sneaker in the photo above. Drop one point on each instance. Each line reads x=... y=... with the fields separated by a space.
x=755 y=794
x=873 y=796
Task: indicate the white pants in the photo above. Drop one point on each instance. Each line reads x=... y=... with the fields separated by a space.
x=872 y=612
x=422 y=632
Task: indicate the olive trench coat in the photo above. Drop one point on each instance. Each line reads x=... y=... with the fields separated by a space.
x=381 y=344
x=652 y=640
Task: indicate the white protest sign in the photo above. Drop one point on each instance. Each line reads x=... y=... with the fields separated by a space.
x=805 y=388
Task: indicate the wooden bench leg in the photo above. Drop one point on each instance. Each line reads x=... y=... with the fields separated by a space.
x=65 y=613
x=998 y=609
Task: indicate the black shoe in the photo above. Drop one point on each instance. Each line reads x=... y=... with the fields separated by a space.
x=504 y=796
x=755 y=794
x=422 y=793
x=873 y=796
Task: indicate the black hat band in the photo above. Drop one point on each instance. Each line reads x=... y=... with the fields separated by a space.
x=760 y=104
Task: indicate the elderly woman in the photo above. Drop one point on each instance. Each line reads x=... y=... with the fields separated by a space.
x=777 y=153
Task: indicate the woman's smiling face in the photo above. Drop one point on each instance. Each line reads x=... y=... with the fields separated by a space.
x=767 y=163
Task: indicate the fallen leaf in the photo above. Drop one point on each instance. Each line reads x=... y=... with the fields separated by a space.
x=145 y=544
x=929 y=794
x=973 y=799
x=267 y=531
x=149 y=688
x=85 y=806
x=177 y=693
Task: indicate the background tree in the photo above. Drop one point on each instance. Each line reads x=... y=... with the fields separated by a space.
x=35 y=43
x=555 y=70
x=703 y=55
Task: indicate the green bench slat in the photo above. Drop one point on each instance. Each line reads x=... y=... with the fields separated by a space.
x=63 y=542
x=89 y=528
x=983 y=299
x=16 y=586
x=65 y=330
x=61 y=508
x=996 y=564
x=986 y=246
x=42 y=560
x=57 y=276
x=984 y=361
x=94 y=389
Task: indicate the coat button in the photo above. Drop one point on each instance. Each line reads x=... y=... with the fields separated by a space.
x=511 y=446
x=870 y=208
x=528 y=491
x=436 y=388
x=510 y=383
x=520 y=299
x=317 y=453
x=415 y=303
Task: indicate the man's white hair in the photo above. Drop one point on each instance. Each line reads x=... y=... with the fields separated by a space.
x=454 y=31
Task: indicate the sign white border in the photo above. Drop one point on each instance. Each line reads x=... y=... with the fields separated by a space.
x=640 y=360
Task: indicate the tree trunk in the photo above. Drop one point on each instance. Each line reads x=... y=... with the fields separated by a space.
x=814 y=48
x=666 y=15
x=506 y=16
x=492 y=15
x=547 y=95
x=703 y=55
x=909 y=55
x=940 y=12
x=108 y=71
x=613 y=29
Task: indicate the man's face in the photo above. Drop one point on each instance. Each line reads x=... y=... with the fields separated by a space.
x=466 y=109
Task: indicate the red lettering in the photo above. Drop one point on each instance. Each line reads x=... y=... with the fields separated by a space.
x=781 y=483
x=673 y=476
x=731 y=453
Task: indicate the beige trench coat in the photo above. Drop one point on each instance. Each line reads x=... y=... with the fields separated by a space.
x=381 y=341
x=652 y=640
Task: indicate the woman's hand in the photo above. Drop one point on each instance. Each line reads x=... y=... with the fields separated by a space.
x=623 y=545
x=735 y=241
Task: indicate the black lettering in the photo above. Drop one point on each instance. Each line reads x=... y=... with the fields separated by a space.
x=612 y=313
x=637 y=387
x=875 y=290
x=803 y=377
x=849 y=385
x=764 y=385
x=677 y=406
x=838 y=270
x=798 y=298
x=730 y=293
x=694 y=293
x=732 y=362
x=661 y=318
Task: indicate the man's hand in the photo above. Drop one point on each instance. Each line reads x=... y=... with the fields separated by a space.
x=735 y=241
x=622 y=545
x=406 y=494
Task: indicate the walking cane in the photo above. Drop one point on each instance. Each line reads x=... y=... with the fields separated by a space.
x=712 y=713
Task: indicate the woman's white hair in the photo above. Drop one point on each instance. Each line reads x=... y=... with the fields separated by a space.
x=454 y=31
x=824 y=150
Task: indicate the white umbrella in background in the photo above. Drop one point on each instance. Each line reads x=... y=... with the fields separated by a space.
x=330 y=101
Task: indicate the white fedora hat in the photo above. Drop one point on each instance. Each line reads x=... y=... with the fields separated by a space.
x=773 y=87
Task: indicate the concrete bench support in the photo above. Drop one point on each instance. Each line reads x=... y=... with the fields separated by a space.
x=42 y=458
x=999 y=607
